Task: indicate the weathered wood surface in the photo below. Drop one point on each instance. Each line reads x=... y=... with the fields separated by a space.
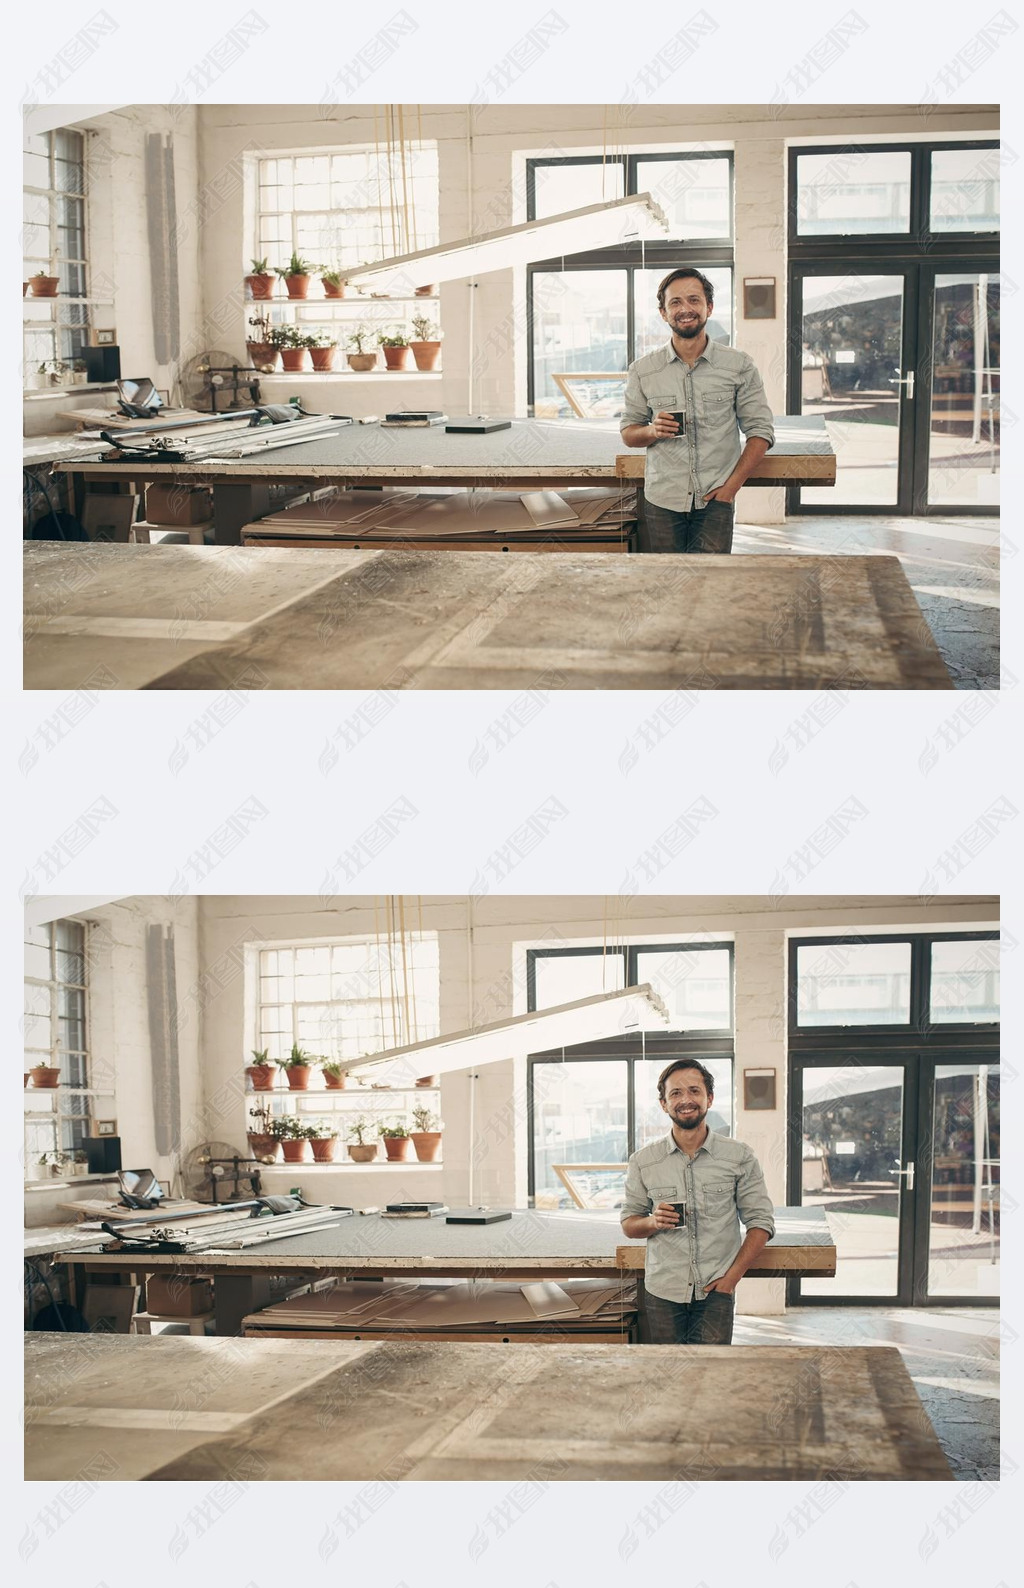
x=533 y=451
x=118 y=1407
x=531 y=1244
x=190 y=617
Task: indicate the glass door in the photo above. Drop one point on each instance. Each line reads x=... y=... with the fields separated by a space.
x=961 y=442
x=958 y=1227
x=857 y=373
x=856 y=1130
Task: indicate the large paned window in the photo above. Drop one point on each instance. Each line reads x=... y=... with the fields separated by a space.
x=342 y=208
x=592 y=1105
x=592 y=314
x=53 y=242
x=894 y=1096
x=56 y=1000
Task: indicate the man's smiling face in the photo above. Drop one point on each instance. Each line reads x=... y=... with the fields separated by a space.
x=686 y=1099
x=686 y=308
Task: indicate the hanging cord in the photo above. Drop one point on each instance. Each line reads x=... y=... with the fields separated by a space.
x=380 y=975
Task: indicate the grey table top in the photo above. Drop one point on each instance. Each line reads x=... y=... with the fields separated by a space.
x=531 y=448
x=192 y=617
x=530 y=1240
x=117 y=1407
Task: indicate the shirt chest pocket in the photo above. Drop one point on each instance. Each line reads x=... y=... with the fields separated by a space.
x=719 y=1196
x=664 y=1192
x=718 y=402
x=662 y=401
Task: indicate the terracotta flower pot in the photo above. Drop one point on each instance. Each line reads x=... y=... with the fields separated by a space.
x=426 y=354
x=426 y=292
x=323 y=357
x=263 y=355
x=294 y=1151
x=262 y=1146
x=426 y=1080
x=323 y=1151
x=297 y=286
x=397 y=357
x=293 y=359
x=261 y=287
x=334 y=1083
x=427 y=1144
x=44 y=286
x=45 y=1077
x=397 y=1148
x=362 y=361
x=261 y=1076
x=334 y=291
x=364 y=1153
x=298 y=1077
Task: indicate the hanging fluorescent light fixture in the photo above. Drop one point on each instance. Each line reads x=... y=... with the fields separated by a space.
x=625 y=220
x=587 y=1020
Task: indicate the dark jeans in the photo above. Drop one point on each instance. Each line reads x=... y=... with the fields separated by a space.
x=701 y=529
x=697 y=1322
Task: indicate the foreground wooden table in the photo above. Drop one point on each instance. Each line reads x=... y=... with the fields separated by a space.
x=532 y=1245
x=191 y=617
x=533 y=453
x=247 y=1410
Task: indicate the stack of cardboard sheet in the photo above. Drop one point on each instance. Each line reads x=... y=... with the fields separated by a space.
x=441 y=514
x=451 y=1305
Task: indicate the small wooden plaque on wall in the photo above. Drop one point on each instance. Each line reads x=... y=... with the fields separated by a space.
x=758 y=1089
x=759 y=297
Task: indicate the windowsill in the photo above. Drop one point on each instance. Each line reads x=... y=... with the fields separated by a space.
x=351 y=374
x=63 y=1181
x=40 y=393
x=347 y=1163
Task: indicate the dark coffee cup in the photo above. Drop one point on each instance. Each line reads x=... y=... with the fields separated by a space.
x=680 y=420
x=680 y=1208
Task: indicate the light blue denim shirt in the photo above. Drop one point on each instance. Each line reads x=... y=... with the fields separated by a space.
x=721 y=395
x=721 y=1184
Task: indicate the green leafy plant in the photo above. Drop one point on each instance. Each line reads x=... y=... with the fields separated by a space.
x=322 y=339
x=260 y=1055
x=296 y=266
x=296 y=1056
x=289 y=336
x=333 y=1067
x=321 y=1130
x=392 y=1130
x=262 y=1115
x=260 y=267
x=397 y=338
x=361 y=334
x=358 y=1130
x=426 y=330
x=288 y=1127
x=425 y=1120
x=334 y=278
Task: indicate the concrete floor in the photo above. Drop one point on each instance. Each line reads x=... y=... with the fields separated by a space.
x=952 y=564
x=951 y=1353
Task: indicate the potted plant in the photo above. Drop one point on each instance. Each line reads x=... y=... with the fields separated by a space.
x=334 y=283
x=297 y=1067
x=262 y=1140
x=359 y=1149
x=262 y=351
x=295 y=275
x=425 y=1080
x=426 y=1138
x=292 y=345
x=361 y=359
x=45 y=1077
x=261 y=281
x=426 y=292
x=321 y=350
x=426 y=345
x=293 y=1135
x=334 y=1075
x=322 y=1139
x=43 y=286
x=396 y=1142
x=56 y=1160
x=396 y=348
x=261 y=1070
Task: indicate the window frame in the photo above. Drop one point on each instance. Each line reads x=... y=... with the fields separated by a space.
x=919 y=1025
x=630 y=257
x=698 y=1044
x=918 y=240
x=66 y=1091
x=62 y=335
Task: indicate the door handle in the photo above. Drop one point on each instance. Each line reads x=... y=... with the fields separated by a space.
x=908 y=1173
x=906 y=380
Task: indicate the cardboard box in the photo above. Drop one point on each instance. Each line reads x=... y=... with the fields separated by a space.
x=179 y=506
x=178 y=1295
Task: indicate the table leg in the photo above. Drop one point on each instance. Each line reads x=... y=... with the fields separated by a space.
x=233 y=506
